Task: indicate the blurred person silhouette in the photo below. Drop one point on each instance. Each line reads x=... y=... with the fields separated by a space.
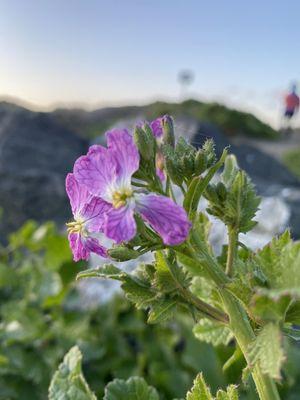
x=291 y=108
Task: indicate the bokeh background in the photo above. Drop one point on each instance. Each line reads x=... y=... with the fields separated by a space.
x=69 y=71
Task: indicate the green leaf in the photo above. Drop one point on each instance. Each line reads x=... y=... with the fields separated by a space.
x=212 y=332
x=68 y=382
x=108 y=271
x=134 y=388
x=230 y=394
x=280 y=261
x=267 y=350
x=161 y=310
x=136 y=290
x=199 y=391
x=241 y=203
x=137 y=293
x=163 y=279
x=266 y=305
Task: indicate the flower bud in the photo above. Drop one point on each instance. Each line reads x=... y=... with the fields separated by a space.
x=211 y=194
x=173 y=170
x=187 y=165
x=168 y=130
x=221 y=191
x=122 y=253
x=145 y=142
x=200 y=162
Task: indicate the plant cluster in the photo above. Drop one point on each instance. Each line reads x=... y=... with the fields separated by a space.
x=42 y=317
x=245 y=297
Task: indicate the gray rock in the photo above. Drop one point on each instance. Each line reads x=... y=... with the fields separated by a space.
x=35 y=155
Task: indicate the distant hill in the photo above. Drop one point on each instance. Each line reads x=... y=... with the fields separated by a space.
x=232 y=122
x=89 y=124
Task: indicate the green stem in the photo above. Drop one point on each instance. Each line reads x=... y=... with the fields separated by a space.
x=239 y=322
x=243 y=332
x=232 y=249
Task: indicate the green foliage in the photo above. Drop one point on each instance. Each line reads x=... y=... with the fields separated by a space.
x=134 y=388
x=233 y=200
x=42 y=318
x=267 y=350
x=291 y=159
x=212 y=332
x=200 y=391
x=68 y=382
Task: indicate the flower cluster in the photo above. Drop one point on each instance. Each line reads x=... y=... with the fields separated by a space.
x=104 y=198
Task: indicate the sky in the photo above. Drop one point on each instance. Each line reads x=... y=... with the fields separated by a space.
x=97 y=53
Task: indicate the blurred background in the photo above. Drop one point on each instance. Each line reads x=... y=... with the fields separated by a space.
x=69 y=71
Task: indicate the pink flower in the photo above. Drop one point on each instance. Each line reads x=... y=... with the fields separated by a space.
x=88 y=212
x=106 y=173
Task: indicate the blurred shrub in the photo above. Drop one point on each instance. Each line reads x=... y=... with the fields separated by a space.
x=291 y=159
x=232 y=122
x=41 y=319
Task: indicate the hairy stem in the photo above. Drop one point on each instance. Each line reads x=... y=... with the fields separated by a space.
x=238 y=320
x=243 y=332
x=232 y=249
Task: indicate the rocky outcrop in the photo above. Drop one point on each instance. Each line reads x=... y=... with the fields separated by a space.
x=35 y=155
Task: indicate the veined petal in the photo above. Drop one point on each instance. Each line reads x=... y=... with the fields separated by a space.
x=78 y=249
x=96 y=171
x=94 y=246
x=120 y=224
x=167 y=218
x=82 y=247
x=125 y=154
x=78 y=194
x=94 y=212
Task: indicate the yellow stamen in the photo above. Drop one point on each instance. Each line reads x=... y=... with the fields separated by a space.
x=75 y=227
x=120 y=197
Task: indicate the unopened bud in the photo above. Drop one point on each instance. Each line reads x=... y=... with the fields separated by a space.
x=122 y=253
x=211 y=194
x=221 y=191
x=200 y=162
x=187 y=165
x=173 y=170
x=145 y=142
x=168 y=130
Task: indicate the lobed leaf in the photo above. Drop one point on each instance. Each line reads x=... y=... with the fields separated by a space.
x=134 y=388
x=267 y=350
x=212 y=332
x=68 y=382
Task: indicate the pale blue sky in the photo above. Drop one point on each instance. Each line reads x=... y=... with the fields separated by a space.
x=118 y=52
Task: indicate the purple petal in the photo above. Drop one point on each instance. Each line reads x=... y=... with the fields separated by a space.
x=126 y=156
x=120 y=224
x=77 y=246
x=96 y=170
x=94 y=212
x=94 y=246
x=82 y=247
x=167 y=218
x=78 y=194
x=156 y=127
